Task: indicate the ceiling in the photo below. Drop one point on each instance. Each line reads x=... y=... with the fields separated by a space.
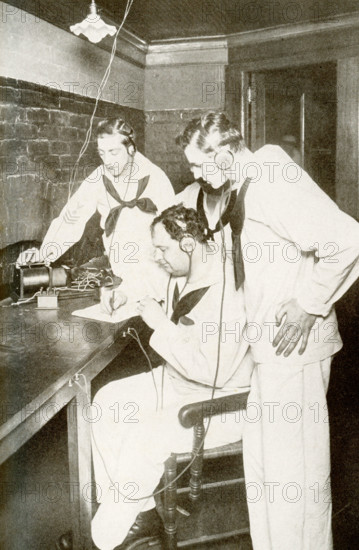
x=153 y=20
x=165 y=19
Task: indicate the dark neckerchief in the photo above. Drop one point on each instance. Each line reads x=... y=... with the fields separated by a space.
x=225 y=216
x=207 y=187
x=143 y=203
x=236 y=222
x=182 y=306
x=175 y=297
x=234 y=214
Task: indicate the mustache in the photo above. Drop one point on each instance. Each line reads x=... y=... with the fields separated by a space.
x=207 y=187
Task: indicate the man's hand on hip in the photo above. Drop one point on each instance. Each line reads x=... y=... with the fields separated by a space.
x=298 y=324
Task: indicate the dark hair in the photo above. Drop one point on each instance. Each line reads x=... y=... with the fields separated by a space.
x=113 y=126
x=179 y=220
x=210 y=132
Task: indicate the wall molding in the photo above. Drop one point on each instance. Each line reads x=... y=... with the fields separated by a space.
x=281 y=32
x=189 y=52
x=207 y=49
x=196 y=49
x=129 y=48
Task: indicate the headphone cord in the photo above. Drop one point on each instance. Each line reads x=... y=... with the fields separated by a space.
x=224 y=258
x=188 y=274
x=134 y=334
x=200 y=447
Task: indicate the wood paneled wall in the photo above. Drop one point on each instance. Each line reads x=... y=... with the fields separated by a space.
x=347 y=168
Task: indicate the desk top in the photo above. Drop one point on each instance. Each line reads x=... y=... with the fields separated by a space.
x=41 y=350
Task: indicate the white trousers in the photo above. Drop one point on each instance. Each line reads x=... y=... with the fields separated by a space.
x=131 y=441
x=286 y=457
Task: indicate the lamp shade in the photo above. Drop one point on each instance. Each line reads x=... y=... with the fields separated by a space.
x=93 y=27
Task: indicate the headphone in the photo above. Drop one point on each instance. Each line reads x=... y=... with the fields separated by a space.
x=224 y=159
x=131 y=147
x=126 y=130
x=187 y=243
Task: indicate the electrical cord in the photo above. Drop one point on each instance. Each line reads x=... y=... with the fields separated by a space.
x=99 y=94
x=200 y=447
x=20 y=302
x=137 y=339
x=188 y=274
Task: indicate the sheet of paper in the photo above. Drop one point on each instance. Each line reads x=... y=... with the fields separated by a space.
x=124 y=312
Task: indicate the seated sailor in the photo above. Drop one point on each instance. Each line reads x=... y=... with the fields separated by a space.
x=198 y=334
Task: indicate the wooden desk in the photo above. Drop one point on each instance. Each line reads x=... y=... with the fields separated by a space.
x=41 y=351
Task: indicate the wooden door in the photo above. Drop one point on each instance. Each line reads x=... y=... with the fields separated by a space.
x=296 y=109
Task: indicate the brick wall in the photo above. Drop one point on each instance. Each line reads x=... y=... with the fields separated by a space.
x=34 y=50
x=42 y=131
x=174 y=94
x=161 y=129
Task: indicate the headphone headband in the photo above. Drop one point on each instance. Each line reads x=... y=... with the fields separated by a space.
x=124 y=128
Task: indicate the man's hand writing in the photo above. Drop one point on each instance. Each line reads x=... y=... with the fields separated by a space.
x=112 y=299
x=298 y=324
x=151 y=312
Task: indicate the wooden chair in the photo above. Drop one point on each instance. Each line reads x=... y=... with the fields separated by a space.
x=192 y=416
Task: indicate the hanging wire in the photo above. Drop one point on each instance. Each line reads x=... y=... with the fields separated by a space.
x=200 y=447
x=99 y=94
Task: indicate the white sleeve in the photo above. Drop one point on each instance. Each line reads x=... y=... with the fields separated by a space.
x=181 y=197
x=192 y=349
x=68 y=227
x=188 y=196
x=316 y=225
x=337 y=250
x=166 y=194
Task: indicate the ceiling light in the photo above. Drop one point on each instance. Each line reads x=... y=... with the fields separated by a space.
x=93 y=27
